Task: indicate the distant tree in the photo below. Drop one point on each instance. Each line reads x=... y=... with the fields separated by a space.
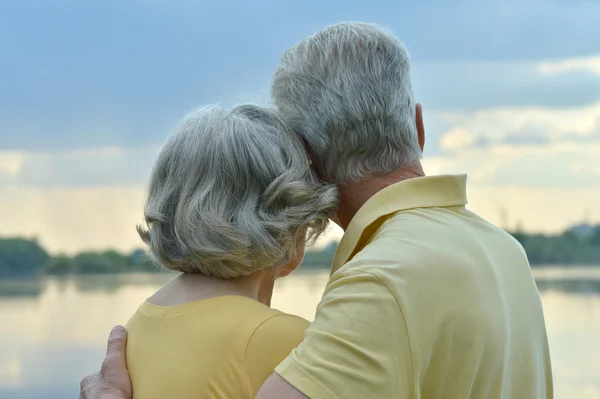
x=20 y=257
x=118 y=262
x=570 y=236
x=320 y=258
x=59 y=265
x=141 y=261
x=137 y=255
x=595 y=237
x=25 y=257
x=519 y=234
x=93 y=263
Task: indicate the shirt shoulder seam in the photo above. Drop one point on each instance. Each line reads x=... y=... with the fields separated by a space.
x=402 y=313
x=248 y=344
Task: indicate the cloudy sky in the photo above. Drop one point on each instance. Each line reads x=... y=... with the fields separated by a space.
x=89 y=90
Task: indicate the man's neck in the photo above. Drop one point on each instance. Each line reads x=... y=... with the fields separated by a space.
x=354 y=195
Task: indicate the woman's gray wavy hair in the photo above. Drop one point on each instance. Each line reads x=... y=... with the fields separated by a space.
x=231 y=192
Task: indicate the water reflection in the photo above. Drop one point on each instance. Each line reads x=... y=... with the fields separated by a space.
x=21 y=288
x=581 y=286
x=546 y=279
x=54 y=329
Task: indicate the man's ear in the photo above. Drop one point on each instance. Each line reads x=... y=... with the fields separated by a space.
x=309 y=152
x=420 y=125
x=312 y=159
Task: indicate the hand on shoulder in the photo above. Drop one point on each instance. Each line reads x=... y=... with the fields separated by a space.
x=112 y=381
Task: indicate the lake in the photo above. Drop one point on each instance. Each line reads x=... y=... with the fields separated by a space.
x=53 y=330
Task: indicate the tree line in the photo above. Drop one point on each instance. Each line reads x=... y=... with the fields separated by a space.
x=22 y=257
x=568 y=248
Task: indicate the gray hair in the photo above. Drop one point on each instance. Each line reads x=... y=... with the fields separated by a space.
x=231 y=193
x=347 y=90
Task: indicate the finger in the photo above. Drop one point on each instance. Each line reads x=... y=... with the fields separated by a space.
x=85 y=385
x=117 y=340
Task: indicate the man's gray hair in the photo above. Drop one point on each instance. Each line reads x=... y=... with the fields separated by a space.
x=347 y=90
x=232 y=193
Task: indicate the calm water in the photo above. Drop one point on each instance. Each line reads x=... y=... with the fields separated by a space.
x=53 y=331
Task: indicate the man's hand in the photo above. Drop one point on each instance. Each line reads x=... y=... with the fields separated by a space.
x=112 y=381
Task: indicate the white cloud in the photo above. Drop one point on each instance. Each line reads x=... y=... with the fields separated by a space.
x=72 y=219
x=537 y=147
x=93 y=167
x=541 y=164
x=562 y=165
x=11 y=163
x=456 y=139
x=502 y=145
x=542 y=209
x=583 y=64
x=531 y=183
x=506 y=124
x=75 y=219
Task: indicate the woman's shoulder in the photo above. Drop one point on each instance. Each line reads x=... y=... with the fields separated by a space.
x=240 y=320
x=280 y=324
x=270 y=343
x=274 y=326
x=263 y=319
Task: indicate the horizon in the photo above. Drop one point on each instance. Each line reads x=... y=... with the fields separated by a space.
x=582 y=230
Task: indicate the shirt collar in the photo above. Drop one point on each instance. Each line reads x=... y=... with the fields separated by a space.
x=420 y=192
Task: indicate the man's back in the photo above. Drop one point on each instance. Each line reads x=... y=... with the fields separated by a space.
x=427 y=300
x=472 y=310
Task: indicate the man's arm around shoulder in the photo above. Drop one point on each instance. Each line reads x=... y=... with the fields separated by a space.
x=356 y=347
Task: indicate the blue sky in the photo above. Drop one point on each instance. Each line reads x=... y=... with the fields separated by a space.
x=89 y=90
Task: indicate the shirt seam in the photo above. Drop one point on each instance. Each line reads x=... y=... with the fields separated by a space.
x=400 y=308
x=246 y=350
x=151 y=310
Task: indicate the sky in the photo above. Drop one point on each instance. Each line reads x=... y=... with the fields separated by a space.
x=89 y=91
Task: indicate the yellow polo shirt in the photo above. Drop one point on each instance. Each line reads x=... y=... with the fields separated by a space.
x=425 y=300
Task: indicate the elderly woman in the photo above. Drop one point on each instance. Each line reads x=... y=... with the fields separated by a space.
x=232 y=202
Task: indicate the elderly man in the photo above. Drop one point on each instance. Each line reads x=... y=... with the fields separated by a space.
x=425 y=299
